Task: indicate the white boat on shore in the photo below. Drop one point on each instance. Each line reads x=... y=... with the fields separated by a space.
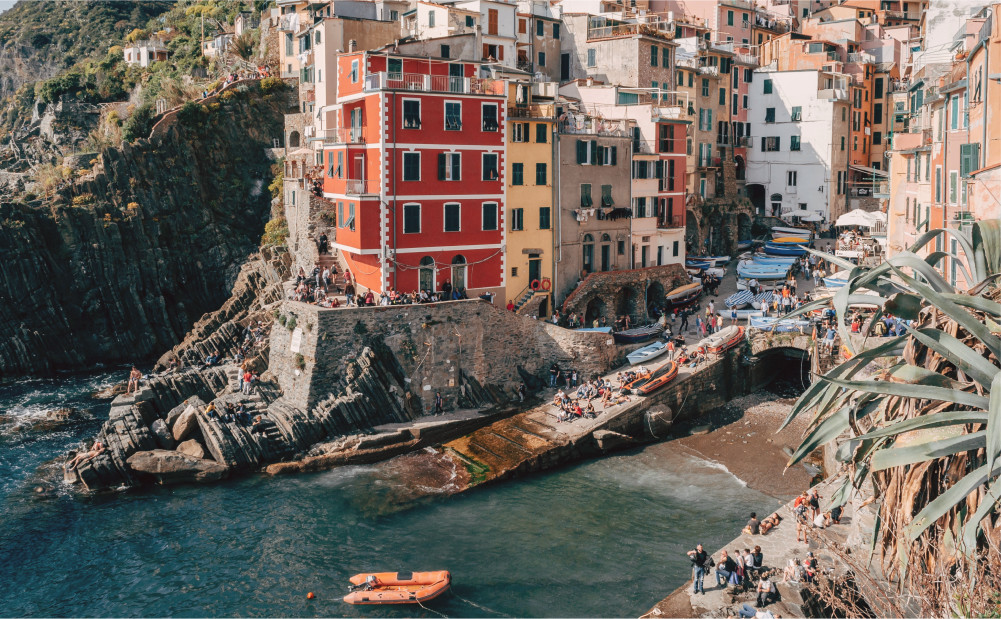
x=781 y=231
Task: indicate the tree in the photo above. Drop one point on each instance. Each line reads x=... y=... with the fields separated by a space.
x=244 y=45
x=136 y=35
x=926 y=431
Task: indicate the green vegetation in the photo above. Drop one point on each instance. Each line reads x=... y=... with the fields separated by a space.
x=139 y=123
x=924 y=436
x=275 y=232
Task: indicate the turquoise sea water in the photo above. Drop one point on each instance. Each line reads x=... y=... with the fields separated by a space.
x=602 y=538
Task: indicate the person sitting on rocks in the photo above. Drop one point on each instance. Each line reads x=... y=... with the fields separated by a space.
x=725 y=570
x=753 y=525
x=211 y=412
x=134 y=376
x=259 y=425
x=172 y=365
x=792 y=572
x=767 y=591
x=80 y=458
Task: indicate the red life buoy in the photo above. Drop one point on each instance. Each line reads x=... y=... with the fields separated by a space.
x=534 y=285
x=546 y=284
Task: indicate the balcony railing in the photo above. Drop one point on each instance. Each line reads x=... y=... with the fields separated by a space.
x=833 y=94
x=603 y=30
x=580 y=124
x=360 y=187
x=744 y=140
x=532 y=111
x=677 y=221
x=341 y=135
x=426 y=83
x=861 y=57
x=709 y=162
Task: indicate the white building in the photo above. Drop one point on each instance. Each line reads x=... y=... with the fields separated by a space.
x=797 y=164
x=217 y=46
x=498 y=29
x=144 y=53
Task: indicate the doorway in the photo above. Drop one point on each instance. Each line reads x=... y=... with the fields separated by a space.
x=534 y=268
x=564 y=67
x=426 y=274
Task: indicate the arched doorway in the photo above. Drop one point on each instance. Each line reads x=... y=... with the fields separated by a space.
x=293 y=139
x=625 y=304
x=425 y=274
x=606 y=252
x=654 y=300
x=594 y=311
x=775 y=205
x=587 y=250
x=459 y=272
x=741 y=169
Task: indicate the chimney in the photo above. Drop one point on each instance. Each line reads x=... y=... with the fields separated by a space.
x=352 y=45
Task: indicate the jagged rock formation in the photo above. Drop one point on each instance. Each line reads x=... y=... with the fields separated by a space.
x=120 y=265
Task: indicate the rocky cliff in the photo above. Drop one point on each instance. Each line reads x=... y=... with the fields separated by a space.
x=119 y=265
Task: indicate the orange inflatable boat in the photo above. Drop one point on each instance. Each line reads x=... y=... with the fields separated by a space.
x=397 y=587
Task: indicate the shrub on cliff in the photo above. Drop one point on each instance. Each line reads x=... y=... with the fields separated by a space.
x=139 y=124
x=275 y=232
x=270 y=84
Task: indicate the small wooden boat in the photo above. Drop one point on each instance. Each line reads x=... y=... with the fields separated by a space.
x=595 y=329
x=723 y=340
x=781 y=231
x=683 y=295
x=742 y=245
x=738 y=299
x=783 y=250
x=397 y=587
x=774 y=260
x=790 y=240
x=658 y=379
x=647 y=353
x=762 y=271
x=639 y=334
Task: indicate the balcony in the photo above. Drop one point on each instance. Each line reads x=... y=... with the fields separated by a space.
x=601 y=28
x=427 y=83
x=833 y=94
x=361 y=187
x=677 y=221
x=710 y=70
x=881 y=190
x=581 y=124
x=861 y=58
x=709 y=162
x=532 y=111
x=341 y=135
x=743 y=141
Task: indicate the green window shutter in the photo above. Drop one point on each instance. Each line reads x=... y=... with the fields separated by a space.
x=614 y=155
x=456 y=168
x=441 y=166
x=540 y=174
x=594 y=151
x=517 y=174
x=581 y=151
x=764 y=143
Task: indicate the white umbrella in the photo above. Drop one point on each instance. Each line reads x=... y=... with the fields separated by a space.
x=812 y=217
x=857 y=217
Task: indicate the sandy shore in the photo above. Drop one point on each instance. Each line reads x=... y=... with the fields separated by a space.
x=741 y=436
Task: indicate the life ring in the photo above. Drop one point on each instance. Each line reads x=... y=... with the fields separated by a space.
x=546 y=284
x=534 y=285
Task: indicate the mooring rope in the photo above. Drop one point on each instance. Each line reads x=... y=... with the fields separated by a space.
x=431 y=609
x=483 y=608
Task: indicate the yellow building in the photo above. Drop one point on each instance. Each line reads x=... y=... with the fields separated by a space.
x=530 y=216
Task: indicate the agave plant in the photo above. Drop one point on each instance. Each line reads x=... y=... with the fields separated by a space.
x=923 y=424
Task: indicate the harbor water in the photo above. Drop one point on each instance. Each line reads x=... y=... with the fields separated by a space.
x=602 y=538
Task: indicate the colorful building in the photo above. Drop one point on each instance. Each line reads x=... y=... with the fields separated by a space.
x=419 y=176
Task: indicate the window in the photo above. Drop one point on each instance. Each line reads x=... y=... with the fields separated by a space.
x=453 y=116
x=490 y=117
x=938 y=183
x=539 y=28
x=665 y=57
x=653 y=56
x=955 y=112
x=791 y=177
x=729 y=18
x=544 y=218
x=517 y=219
x=722 y=96
x=656 y=86
x=681 y=78
x=411 y=218
x=675 y=248
x=452 y=216
x=541 y=177
x=794 y=142
x=411 y=166
x=519 y=132
x=587 y=152
x=606 y=195
x=953 y=186
x=877 y=113
x=666 y=138
x=592 y=58
x=877 y=138
x=556 y=31
x=585 y=195
x=340 y=216
x=766 y=87
x=908 y=177
x=541 y=134
x=354 y=71
x=431 y=19
x=490 y=167
x=449 y=166
x=621 y=248
x=769 y=114
x=489 y=215
x=587 y=250
x=542 y=59
x=411 y=114
x=350 y=223
x=797 y=113
x=446 y=51
x=748 y=74
x=517 y=174
x=705 y=87
x=770 y=144
x=842 y=142
x=802 y=206
x=969 y=158
x=470 y=21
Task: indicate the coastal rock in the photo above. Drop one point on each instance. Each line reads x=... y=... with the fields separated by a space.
x=110 y=393
x=66 y=414
x=192 y=448
x=606 y=440
x=186 y=424
x=161 y=432
x=172 y=467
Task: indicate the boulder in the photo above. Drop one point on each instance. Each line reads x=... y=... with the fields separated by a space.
x=173 y=467
x=110 y=392
x=66 y=414
x=192 y=448
x=606 y=440
x=175 y=412
x=161 y=433
x=186 y=424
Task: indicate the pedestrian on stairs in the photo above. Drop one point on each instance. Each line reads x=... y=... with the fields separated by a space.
x=245 y=382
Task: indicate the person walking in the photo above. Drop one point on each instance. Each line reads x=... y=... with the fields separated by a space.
x=684 y=320
x=438 y=405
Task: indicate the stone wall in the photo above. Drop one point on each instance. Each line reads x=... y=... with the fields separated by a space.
x=617 y=293
x=473 y=352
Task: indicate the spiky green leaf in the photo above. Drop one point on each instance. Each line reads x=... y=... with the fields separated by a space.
x=944 y=502
x=921 y=392
x=973 y=365
x=912 y=454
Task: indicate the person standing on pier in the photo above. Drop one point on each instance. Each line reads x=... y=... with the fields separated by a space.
x=684 y=320
x=700 y=559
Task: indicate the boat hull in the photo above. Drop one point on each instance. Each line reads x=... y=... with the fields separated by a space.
x=647 y=353
x=399 y=588
x=724 y=340
x=639 y=334
x=783 y=250
x=659 y=378
x=683 y=296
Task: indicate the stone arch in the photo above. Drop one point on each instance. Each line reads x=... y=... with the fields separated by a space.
x=756 y=192
x=654 y=299
x=625 y=302
x=595 y=309
x=293 y=139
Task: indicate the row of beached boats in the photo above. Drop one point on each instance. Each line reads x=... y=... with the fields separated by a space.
x=648 y=381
